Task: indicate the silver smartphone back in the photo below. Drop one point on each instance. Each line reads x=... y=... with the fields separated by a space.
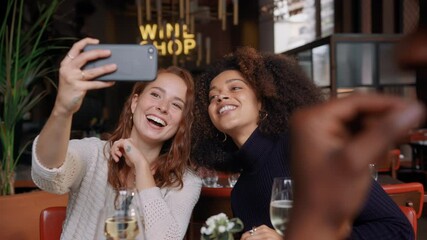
x=134 y=62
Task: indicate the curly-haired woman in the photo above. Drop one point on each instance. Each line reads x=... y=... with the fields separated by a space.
x=244 y=102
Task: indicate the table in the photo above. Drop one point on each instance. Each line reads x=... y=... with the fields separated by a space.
x=385 y=179
x=211 y=202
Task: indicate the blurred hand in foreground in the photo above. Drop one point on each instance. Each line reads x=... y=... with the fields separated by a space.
x=332 y=178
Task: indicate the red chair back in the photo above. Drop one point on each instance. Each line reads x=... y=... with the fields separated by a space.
x=51 y=220
x=412 y=217
x=407 y=194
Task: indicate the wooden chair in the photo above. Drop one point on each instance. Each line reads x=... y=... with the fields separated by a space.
x=407 y=194
x=51 y=220
x=412 y=217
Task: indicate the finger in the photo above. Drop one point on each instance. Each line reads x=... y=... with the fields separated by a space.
x=96 y=84
x=77 y=48
x=118 y=152
x=391 y=127
x=91 y=55
x=265 y=232
x=245 y=236
x=89 y=74
x=115 y=152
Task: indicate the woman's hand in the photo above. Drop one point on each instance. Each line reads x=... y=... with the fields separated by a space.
x=126 y=149
x=72 y=87
x=135 y=159
x=261 y=232
x=74 y=82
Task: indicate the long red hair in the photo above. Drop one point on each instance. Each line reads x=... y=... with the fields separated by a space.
x=174 y=156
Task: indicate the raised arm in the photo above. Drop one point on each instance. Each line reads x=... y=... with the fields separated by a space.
x=73 y=85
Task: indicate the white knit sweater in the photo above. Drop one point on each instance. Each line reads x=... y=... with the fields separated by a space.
x=165 y=212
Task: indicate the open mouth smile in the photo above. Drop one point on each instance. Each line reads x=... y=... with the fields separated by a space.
x=226 y=108
x=156 y=121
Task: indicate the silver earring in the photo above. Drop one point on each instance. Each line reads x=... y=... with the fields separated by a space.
x=225 y=137
x=262 y=115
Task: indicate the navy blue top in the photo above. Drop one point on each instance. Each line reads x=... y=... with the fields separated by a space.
x=263 y=158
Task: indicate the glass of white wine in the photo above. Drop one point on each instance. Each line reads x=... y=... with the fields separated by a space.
x=122 y=217
x=281 y=203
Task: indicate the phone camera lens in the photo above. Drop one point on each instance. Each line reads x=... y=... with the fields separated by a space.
x=150 y=50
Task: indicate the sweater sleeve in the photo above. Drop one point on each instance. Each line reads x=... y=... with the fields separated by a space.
x=68 y=176
x=167 y=217
x=381 y=218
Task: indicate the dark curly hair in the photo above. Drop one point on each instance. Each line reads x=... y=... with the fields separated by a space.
x=279 y=84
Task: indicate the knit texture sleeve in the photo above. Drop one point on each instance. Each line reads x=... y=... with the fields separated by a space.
x=166 y=216
x=61 y=180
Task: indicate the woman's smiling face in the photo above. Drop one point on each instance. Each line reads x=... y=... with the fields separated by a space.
x=233 y=107
x=158 y=110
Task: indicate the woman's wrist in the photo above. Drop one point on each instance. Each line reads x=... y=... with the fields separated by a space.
x=143 y=177
x=61 y=112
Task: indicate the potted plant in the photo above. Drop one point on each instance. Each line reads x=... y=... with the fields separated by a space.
x=23 y=61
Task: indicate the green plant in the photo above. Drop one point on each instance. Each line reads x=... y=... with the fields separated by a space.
x=23 y=62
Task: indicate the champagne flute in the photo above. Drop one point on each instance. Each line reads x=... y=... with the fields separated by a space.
x=122 y=220
x=281 y=203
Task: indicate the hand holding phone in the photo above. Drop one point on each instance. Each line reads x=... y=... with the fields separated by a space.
x=134 y=62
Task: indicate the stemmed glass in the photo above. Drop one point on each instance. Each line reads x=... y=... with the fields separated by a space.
x=122 y=220
x=373 y=170
x=281 y=203
x=210 y=178
x=232 y=179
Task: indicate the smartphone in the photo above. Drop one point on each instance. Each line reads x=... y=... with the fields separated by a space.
x=134 y=62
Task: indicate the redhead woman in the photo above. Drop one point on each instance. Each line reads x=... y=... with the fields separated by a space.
x=148 y=151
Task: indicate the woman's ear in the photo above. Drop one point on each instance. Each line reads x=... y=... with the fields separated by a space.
x=134 y=102
x=259 y=105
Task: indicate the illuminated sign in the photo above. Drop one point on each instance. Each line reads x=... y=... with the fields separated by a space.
x=168 y=40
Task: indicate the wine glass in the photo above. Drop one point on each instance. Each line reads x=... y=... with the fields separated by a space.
x=232 y=179
x=373 y=170
x=122 y=220
x=281 y=203
x=210 y=178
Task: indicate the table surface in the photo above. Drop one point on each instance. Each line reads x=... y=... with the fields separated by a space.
x=384 y=179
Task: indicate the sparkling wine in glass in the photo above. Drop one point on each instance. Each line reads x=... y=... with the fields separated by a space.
x=281 y=203
x=123 y=221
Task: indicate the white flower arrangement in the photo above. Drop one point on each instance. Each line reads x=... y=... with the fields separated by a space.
x=219 y=227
